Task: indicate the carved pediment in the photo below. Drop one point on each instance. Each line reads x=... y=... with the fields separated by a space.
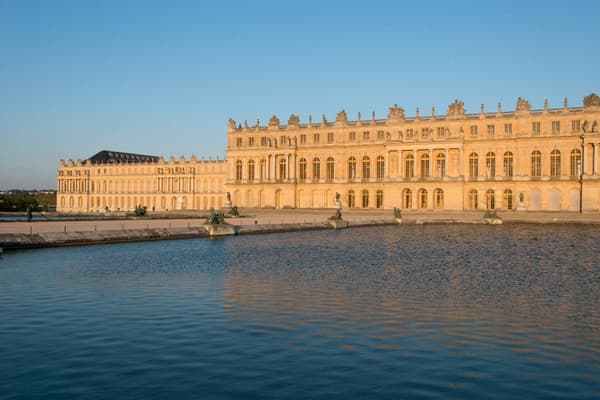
x=456 y=109
x=592 y=100
x=294 y=120
x=396 y=113
x=523 y=106
x=341 y=116
x=274 y=121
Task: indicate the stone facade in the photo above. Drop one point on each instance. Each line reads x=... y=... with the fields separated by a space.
x=546 y=159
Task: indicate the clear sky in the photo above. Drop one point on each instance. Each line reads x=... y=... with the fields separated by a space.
x=163 y=77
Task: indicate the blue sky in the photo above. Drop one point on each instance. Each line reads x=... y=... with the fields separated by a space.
x=163 y=77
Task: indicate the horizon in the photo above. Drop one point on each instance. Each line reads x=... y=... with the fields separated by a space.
x=164 y=78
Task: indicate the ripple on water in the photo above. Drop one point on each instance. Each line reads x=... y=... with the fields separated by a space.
x=388 y=312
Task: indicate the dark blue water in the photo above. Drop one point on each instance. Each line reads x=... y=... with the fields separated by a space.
x=424 y=312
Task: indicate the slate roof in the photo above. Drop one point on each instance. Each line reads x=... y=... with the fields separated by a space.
x=118 y=157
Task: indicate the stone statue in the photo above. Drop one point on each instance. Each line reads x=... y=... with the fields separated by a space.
x=521 y=197
x=595 y=127
x=341 y=116
x=591 y=101
x=396 y=113
x=294 y=120
x=523 y=106
x=456 y=109
x=274 y=121
x=397 y=213
x=231 y=123
x=215 y=218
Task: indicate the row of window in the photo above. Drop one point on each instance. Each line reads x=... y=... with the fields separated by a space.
x=536 y=164
x=425 y=133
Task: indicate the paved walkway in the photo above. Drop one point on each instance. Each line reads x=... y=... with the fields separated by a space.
x=284 y=217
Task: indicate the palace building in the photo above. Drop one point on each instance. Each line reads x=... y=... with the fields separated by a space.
x=525 y=159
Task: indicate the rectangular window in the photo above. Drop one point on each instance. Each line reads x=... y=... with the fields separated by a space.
x=366 y=135
x=491 y=130
x=282 y=140
x=380 y=135
x=555 y=126
x=351 y=136
x=425 y=133
x=238 y=142
x=508 y=129
x=473 y=130
x=263 y=141
x=303 y=139
x=536 y=128
x=250 y=141
x=440 y=131
x=575 y=125
x=330 y=137
x=409 y=133
x=316 y=138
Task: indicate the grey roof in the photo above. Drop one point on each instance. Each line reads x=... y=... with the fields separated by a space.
x=117 y=157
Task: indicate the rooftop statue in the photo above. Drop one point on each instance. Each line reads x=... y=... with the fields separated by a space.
x=231 y=123
x=592 y=100
x=294 y=120
x=274 y=121
x=341 y=116
x=396 y=113
x=523 y=106
x=456 y=109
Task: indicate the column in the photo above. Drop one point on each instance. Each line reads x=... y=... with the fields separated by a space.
x=399 y=163
x=461 y=161
x=416 y=166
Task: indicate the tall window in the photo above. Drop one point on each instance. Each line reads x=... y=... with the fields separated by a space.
x=473 y=130
x=379 y=199
x=536 y=163
x=508 y=163
x=409 y=166
x=365 y=198
x=407 y=198
x=302 y=169
x=507 y=129
x=316 y=168
x=316 y=138
x=440 y=165
x=238 y=170
x=575 y=169
x=422 y=196
x=303 y=139
x=380 y=167
x=490 y=200
x=366 y=135
x=473 y=165
x=555 y=126
x=352 y=168
x=555 y=163
x=282 y=168
x=424 y=165
x=508 y=199
x=351 y=136
x=473 y=199
x=263 y=169
x=490 y=165
x=366 y=167
x=491 y=130
x=330 y=137
x=575 y=125
x=251 y=170
x=438 y=198
x=330 y=169
x=351 y=199
x=536 y=128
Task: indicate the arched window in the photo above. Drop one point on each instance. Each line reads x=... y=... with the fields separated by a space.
x=351 y=199
x=473 y=165
x=282 y=168
x=555 y=163
x=508 y=164
x=409 y=166
x=422 y=196
x=380 y=167
x=302 y=169
x=438 y=198
x=379 y=199
x=536 y=163
x=508 y=199
x=263 y=169
x=366 y=167
x=330 y=169
x=490 y=164
x=440 y=165
x=251 y=170
x=238 y=170
x=490 y=199
x=575 y=169
x=406 y=198
x=473 y=199
x=316 y=169
x=424 y=165
x=365 y=198
x=352 y=168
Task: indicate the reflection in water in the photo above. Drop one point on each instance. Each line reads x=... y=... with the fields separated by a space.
x=426 y=311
